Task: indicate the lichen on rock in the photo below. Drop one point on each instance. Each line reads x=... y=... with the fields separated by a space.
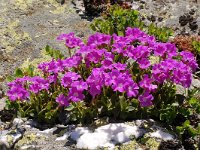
x=29 y=139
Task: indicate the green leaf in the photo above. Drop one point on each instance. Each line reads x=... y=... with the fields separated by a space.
x=47 y=48
x=131 y=108
x=18 y=73
x=49 y=106
x=186 y=124
x=54 y=53
x=30 y=70
x=123 y=103
x=192 y=131
x=180 y=129
x=69 y=108
x=10 y=78
x=32 y=114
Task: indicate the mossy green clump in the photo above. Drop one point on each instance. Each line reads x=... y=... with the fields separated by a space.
x=23 y=4
x=9 y=139
x=12 y=32
x=150 y=142
x=28 y=139
x=44 y=58
x=132 y=145
x=58 y=9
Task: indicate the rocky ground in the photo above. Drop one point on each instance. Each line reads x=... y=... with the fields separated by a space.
x=135 y=135
x=27 y=26
x=181 y=16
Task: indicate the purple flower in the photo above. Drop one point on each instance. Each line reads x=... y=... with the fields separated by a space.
x=119 y=66
x=50 y=67
x=182 y=75
x=119 y=85
x=146 y=84
x=134 y=32
x=107 y=64
x=146 y=99
x=38 y=84
x=144 y=63
x=120 y=48
x=53 y=78
x=43 y=67
x=17 y=93
x=94 y=57
x=111 y=77
x=189 y=59
x=140 y=52
x=108 y=60
x=160 y=49
x=68 y=78
x=70 y=40
x=171 y=50
x=95 y=89
x=80 y=85
x=18 y=81
x=96 y=81
x=84 y=50
x=99 y=39
x=173 y=70
x=62 y=100
x=132 y=89
x=73 y=61
x=75 y=95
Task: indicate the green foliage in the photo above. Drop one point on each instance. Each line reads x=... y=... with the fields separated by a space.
x=37 y=108
x=54 y=53
x=161 y=34
x=118 y=19
x=196 y=46
x=40 y=107
x=189 y=128
x=191 y=107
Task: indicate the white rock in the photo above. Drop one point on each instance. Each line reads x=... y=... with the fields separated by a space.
x=18 y=121
x=16 y=137
x=47 y=131
x=26 y=126
x=3 y=139
x=26 y=147
x=62 y=138
x=134 y=6
x=105 y=136
x=78 y=132
x=121 y=138
x=93 y=140
x=162 y=135
x=10 y=139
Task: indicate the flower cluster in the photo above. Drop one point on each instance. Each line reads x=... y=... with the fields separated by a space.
x=102 y=63
x=21 y=88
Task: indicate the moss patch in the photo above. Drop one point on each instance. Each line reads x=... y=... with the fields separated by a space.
x=36 y=61
x=11 y=36
x=28 y=139
x=133 y=145
x=23 y=4
x=149 y=142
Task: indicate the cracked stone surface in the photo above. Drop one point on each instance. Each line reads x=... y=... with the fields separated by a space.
x=27 y=26
x=24 y=136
